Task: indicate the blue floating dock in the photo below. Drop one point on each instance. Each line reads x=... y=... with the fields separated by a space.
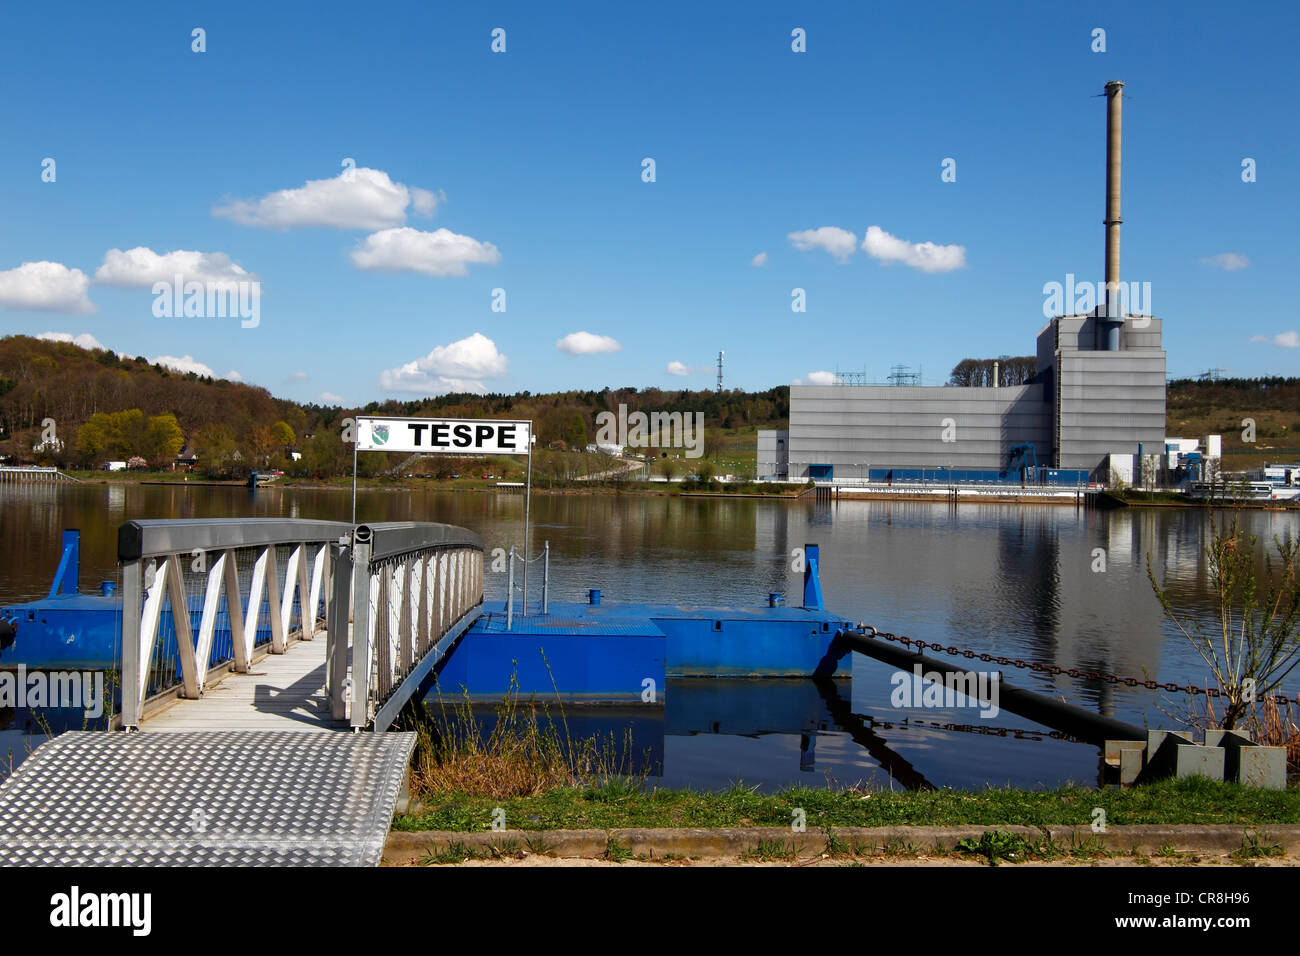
x=566 y=653
x=609 y=651
x=594 y=652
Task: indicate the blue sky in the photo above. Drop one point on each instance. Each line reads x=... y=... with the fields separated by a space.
x=531 y=160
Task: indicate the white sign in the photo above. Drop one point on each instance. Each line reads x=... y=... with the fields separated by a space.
x=450 y=436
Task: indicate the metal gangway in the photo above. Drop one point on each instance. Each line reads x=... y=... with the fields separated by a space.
x=261 y=663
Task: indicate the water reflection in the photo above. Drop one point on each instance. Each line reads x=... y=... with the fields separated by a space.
x=1004 y=579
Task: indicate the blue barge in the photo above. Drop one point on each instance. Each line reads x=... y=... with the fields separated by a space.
x=593 y=652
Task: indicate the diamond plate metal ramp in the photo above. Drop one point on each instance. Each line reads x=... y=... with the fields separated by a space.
x=204 y=798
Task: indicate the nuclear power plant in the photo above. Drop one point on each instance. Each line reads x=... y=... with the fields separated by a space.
x=1098 y=391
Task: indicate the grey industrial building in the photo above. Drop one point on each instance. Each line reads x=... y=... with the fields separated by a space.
x=1099 y=389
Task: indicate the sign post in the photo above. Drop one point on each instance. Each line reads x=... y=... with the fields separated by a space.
x=528 y=500
x=449 y=436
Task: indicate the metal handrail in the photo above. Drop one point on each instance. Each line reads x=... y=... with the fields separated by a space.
x=154 y=554
x=152 y=537
x=390 y=539
x=420 y=585
x=545 y=557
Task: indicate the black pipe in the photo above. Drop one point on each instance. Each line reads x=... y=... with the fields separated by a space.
x=1084 y=724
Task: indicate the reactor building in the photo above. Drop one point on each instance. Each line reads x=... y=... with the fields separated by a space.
x=1098 y=391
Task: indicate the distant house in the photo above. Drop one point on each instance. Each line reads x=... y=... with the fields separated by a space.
x=186 y=459
x=115 y=466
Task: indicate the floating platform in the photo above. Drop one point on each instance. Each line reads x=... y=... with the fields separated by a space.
x=617 y=652
x=594 y=651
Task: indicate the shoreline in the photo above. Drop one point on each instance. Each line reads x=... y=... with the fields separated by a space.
x=972 y=495
x=1141 y=844
x=1169 y=820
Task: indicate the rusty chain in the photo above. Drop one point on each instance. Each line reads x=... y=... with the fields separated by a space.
x=1280 y=699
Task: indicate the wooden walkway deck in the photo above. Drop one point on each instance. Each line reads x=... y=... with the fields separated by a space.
x=281 y=692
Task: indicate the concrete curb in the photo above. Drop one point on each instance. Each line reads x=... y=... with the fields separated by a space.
x=407 y=847
x=402 y=848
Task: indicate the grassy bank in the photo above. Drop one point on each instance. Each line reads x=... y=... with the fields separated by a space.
x=620 y=803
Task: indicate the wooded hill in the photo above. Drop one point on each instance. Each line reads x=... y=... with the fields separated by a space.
x=105 y=407
x=1197 y=407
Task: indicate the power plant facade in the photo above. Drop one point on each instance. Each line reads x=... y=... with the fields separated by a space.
x=1098 y=390
x=1084 y=404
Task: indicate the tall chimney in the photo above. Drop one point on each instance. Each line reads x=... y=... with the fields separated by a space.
x=1110 y=326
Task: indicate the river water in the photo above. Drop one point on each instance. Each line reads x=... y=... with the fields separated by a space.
x=1021 y=581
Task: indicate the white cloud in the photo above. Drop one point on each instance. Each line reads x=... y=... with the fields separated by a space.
x=45 y=287
x=437 y=253
x=234 y=376
x=759 y=260
x=587 y=343
x=458 y=367
x=85 y=340
x=1287 y=340
x=329 y=398
x=925 y=256
x=840 y=243
x=1227 y=261
x=677 y=368
x=355 y=199
x=297 y=377
x=821 y=378
x=184 y=363
x=141 y=267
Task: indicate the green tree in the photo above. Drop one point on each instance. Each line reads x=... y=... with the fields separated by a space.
x=575 y=432
x=1255 y=641
x=326 y=454
x=283 y=433
x=95 y=438
x=163 y=439
x=216 y=448
x=113 y=435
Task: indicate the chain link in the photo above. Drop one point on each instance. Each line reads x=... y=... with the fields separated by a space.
x=1280 y=699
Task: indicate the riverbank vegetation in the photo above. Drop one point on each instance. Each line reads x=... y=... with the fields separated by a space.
x=622 y=802
x=522 y=749
x=1253 y=644
x=519 y=759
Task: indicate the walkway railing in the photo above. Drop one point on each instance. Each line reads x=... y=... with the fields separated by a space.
x=32 y=473
x=422 y=586
x=203 y=595
x=515 y=555
x=208 y=593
